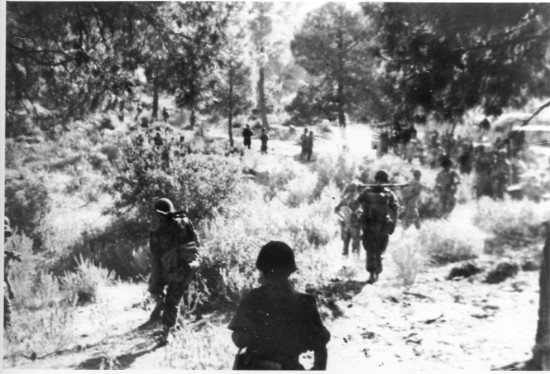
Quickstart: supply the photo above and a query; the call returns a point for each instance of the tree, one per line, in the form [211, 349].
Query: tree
[447, 58]
[334, 45]
[232, 91]
[66, 59]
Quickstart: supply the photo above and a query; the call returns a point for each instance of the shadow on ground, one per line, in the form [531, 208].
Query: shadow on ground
[336, 290]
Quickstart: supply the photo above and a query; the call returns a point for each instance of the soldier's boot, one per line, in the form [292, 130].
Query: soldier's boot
[155, 318]
[165, 336]
[373, 278]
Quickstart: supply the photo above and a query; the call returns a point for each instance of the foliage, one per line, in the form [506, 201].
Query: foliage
[65, 59]
[339, 170]
[511, 222]
[27, 203]
[82, 285]
[409, 257]
[121, 248]
[448, 58]
[446, 241]
[333, 45]
[202, 184]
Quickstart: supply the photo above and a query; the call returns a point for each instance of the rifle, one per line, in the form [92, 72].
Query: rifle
[388, 185]
[172, 215]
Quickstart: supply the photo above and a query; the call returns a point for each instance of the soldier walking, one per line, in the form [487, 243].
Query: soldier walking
[446, 183]
[173, 245]
[8, 292]
[264, 138]
[378, 218]
[303, 144]
[350, 227]
[247, 135]
[274, 322]
[502, 173]
[309, 145]
[410, 195]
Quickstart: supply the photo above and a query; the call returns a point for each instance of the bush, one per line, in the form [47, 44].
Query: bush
[409, 258]
[121, 247]
[511, 222]
[446, 241]
[82, 285]
[339, 171]
[27, 203]
[202, 184]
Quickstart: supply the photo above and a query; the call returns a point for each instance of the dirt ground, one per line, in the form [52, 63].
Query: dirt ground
[435, 324]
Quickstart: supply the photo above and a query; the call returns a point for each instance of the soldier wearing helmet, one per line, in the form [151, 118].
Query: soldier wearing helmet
[173, 245]
[446, 183]
[410, 195]
[350, 227]
[8, 292]
[276, 323]
[378, 218]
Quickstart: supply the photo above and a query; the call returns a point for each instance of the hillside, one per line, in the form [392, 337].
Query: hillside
[432, 324]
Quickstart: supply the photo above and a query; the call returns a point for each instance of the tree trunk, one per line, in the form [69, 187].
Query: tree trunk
[261, 98]
[154, 115]
[230, 117]
[340, 77]
[541, 351]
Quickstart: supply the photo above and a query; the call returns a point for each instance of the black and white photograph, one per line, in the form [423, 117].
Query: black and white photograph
[269, 185]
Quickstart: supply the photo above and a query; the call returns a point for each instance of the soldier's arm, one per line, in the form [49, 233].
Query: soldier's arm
[320, 359]
[394, 207]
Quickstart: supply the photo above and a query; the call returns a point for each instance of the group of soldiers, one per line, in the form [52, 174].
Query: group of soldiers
[273, 322]
[369, 213]
[306, 142]
[247, 139]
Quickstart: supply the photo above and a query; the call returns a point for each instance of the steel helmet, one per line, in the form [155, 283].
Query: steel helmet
[164, 206]
[417, 173]
[276, 258]
[382, 176]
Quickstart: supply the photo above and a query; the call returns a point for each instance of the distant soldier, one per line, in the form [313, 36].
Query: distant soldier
[378, 219]
[303, 143]
[501, 174]
[446, 183]
[264, 138]
[482, 167]
[309, 145]
[165, 114]
[410, 195]
[350, 227]
[173, 245]
[247, 135]
[410, 150]
[465, 158]
[274, 322]
[8, 292]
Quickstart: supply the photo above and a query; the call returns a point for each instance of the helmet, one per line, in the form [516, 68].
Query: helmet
[7, 229]
[417, 173]
[276, 258]
[382, 176]
[164, 205]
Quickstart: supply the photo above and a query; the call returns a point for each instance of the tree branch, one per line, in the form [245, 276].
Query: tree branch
[524, 123]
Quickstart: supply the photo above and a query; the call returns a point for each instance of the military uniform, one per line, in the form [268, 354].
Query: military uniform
[264, 138]
[350, 226]
[274, 322]
[482, 167]
[378, 219]
[446, 183]
[410, 195]
[173, 245]
[502, 173]
[247, 135]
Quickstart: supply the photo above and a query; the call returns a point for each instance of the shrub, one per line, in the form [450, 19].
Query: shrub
[448, 241]
[82, 285]
[503, 271]
[121, 247]
[409, 258]
[27, 203]
[203, 184]
[511, 222]
[338, 170]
